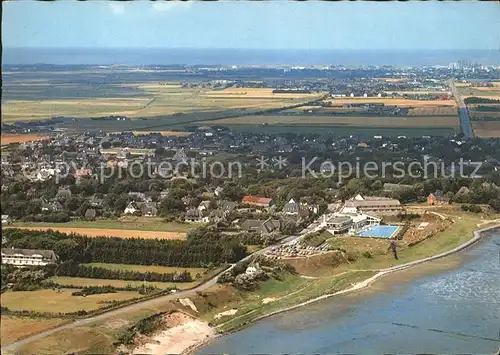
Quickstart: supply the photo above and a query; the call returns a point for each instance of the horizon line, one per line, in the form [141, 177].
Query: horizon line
[261, 49]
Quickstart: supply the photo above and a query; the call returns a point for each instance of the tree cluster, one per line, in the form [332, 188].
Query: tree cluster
[73, 269]
[200, 249]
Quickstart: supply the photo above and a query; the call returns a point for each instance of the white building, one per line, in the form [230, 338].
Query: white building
[28, 257]
[338, 224]
[131, 208]
[360, 220]
[372, 204]
[342, 223]
[6, 219]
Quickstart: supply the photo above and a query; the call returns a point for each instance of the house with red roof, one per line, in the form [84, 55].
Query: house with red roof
[257, 201]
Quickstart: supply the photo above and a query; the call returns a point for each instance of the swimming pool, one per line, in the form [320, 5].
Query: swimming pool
[380, 232]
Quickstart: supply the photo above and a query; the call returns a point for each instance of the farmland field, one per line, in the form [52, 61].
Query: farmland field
[462, 85]
[149, 268]
[390, 101]
[126, 222]
[15, 328]
[417, 92]
[257, 93]
[84, 282]
[433, 111]
[486, 129]
[20, 138]
[491, 92]
[60, 301]
[344, 121]
[476, 114]
[393, 80]
[339, 130]
[163, 133]
[104, 232]
[46, 96]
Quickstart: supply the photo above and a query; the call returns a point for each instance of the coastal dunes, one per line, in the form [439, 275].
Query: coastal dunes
[180, 333]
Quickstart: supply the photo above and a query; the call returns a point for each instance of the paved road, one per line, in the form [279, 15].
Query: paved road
[136, 306]
[463, 114]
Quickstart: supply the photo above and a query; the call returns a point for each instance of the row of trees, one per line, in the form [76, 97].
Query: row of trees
[201, 249]
[74, 269]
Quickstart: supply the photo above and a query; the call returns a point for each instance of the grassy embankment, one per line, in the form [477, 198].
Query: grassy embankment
[16, 328]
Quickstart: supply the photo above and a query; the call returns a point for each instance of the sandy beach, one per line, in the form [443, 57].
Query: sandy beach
[187, 333]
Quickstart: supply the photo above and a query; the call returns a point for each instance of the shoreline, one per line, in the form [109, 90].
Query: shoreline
[477, 236]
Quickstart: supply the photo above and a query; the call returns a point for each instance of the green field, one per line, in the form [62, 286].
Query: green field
[42, 95]
[368, 121]
[325, 130]
[60, 301]
[84, 282]
[150, 268]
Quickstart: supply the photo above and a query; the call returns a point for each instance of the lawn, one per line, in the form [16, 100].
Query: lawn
[16, 328]
[359, 244]
[316, 239]
[60, 301]
[82, 282]
[150, 268]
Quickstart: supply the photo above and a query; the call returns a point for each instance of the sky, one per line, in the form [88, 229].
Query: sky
[252, 25]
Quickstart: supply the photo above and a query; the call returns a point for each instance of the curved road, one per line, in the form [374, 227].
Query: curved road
[136, 306]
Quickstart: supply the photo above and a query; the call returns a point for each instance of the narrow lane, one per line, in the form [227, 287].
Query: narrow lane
[463, 113]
